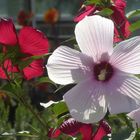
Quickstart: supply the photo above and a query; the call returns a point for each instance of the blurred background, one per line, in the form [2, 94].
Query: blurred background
[54, 17]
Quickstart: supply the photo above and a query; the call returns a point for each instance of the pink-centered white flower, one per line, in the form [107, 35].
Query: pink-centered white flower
[103, 73]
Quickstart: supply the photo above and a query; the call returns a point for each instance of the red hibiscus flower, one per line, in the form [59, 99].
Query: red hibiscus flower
[71, 127]
[102, 131]
[7, 32]
[9, 68]
[118, 17]
[30, 41]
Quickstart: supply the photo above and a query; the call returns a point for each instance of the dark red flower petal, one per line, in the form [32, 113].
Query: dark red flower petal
[54, 133]
[84, 11]
[121, 28]
[32, 41]
[70, 127]
[9, 68]
[86, 131]
[124, 31]
[7, 32]
[121, 23]
[120, 4]
[35, 69]
[103, 130]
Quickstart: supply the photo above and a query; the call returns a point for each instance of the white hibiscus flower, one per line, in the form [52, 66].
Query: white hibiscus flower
[103, 74]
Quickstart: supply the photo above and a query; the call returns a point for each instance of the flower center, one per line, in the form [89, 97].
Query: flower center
[103, 71]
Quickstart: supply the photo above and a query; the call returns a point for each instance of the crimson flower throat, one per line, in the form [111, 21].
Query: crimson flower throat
[103, 71]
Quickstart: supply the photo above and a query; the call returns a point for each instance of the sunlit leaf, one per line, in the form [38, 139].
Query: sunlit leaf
[105, 12]
[60, 108]
[40, 56]
[96, 2]
[135, 26]
[133, 13]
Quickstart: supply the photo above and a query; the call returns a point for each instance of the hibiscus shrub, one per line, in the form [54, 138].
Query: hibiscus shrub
[87, 92]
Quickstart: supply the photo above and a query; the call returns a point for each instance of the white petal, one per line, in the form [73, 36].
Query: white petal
[131, 87]
[86, 101]
[23, 132]
[125, 84]
[135, 114]
[126, 56]
[67, 66]
[119, 103]
[46, 105]
[94, 35]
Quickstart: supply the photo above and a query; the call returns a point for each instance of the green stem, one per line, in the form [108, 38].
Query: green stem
[31, 110]
[28, 106]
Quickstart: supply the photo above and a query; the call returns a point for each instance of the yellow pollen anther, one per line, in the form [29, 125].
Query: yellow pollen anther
[102, 75]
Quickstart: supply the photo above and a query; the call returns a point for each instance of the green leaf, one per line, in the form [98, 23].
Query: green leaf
[76, 47]
[12, 52]
[135, 26]
[1, 57]
[133, 13]
[106, 138]
[72, 39]
[132, 136]
[8, 88]
[105, 12]
[126, 120]
[121, 134]
[40, 56]
[60, 108]
[25, 63]
[20, 134]
[44, 80]
[96, 2]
